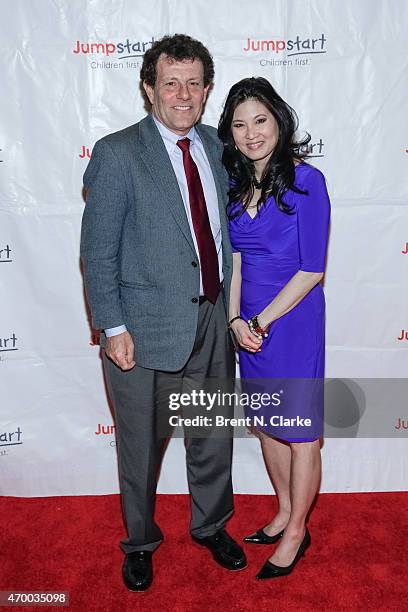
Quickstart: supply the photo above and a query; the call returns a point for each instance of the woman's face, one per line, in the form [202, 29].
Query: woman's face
[255, 130]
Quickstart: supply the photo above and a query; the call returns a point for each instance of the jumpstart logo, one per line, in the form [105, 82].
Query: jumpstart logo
[126, 54]
[85, 152]
[8, 344]
[11, 438]
[5, 254]
[106, 430]
[313, 149]
[403, 335]
[300, 49]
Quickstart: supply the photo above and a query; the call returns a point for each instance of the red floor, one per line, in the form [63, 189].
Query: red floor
[358, 558]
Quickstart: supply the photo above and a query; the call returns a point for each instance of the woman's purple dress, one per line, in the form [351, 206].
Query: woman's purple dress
[274, 246]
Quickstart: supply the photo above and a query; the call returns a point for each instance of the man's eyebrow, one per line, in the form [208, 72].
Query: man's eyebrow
[175, 78]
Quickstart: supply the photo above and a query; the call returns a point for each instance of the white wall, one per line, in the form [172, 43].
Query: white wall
[351, 98]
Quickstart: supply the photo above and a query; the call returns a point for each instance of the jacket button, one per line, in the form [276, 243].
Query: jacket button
[194, 264]
[194, 300]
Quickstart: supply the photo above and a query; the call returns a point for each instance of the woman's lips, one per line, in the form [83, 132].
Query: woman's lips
[254, 145]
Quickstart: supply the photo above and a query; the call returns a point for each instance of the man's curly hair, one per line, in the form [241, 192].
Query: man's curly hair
[178, 47]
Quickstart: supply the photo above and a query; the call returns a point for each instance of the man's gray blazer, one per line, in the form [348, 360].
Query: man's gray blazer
[140, 264]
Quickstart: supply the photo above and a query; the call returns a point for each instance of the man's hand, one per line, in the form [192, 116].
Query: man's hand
[120, 349]
[245, 337]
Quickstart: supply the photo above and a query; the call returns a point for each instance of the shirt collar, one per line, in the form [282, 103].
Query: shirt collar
[170, 138]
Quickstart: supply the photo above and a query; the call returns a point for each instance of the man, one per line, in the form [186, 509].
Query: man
[157, 267]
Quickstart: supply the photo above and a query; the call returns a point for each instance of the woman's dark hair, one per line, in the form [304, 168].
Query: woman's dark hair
[179, 47]
[279, 173]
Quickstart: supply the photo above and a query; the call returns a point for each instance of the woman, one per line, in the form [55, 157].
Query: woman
[279, 217]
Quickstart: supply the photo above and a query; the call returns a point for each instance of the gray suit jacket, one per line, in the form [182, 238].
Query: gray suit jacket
[138, 254]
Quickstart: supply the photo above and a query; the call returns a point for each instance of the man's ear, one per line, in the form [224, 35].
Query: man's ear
[206, 90]
[149, 92]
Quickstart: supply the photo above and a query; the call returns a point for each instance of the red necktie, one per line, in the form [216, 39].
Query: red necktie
[201, 224]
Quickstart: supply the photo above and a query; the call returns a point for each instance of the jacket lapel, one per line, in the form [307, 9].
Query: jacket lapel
[157, 161]
[156, 158]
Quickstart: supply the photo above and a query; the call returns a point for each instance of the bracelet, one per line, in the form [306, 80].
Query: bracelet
[256, 329]
[232, 320]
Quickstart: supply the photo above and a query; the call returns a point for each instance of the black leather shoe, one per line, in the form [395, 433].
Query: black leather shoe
[270, 570]
[260, 537]
[225, 550]
[137, 570]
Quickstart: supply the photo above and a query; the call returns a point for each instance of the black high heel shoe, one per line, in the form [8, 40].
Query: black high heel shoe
[270, 570]
[260, 537]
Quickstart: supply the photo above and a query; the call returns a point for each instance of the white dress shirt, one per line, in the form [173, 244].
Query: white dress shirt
[210, 192]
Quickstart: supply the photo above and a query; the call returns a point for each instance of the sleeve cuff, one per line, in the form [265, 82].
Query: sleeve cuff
[115, 331]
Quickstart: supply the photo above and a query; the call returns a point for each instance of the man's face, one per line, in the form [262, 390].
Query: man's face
[179, 94]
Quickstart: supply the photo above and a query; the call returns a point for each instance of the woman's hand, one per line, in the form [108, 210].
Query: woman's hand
[245, 337]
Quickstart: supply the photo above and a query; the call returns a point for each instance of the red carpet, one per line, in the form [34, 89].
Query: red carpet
[358, 558]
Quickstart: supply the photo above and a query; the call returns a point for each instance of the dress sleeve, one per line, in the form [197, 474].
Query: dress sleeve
[313, 217]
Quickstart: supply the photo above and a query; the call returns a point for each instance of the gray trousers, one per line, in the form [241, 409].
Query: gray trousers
[140, 399]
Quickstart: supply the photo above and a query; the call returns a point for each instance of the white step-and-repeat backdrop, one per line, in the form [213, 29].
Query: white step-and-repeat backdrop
[70, 75]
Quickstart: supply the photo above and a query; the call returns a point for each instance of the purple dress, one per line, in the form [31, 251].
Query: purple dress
[274, 246]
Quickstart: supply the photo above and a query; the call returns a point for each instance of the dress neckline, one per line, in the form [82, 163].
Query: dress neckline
[269, 198]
